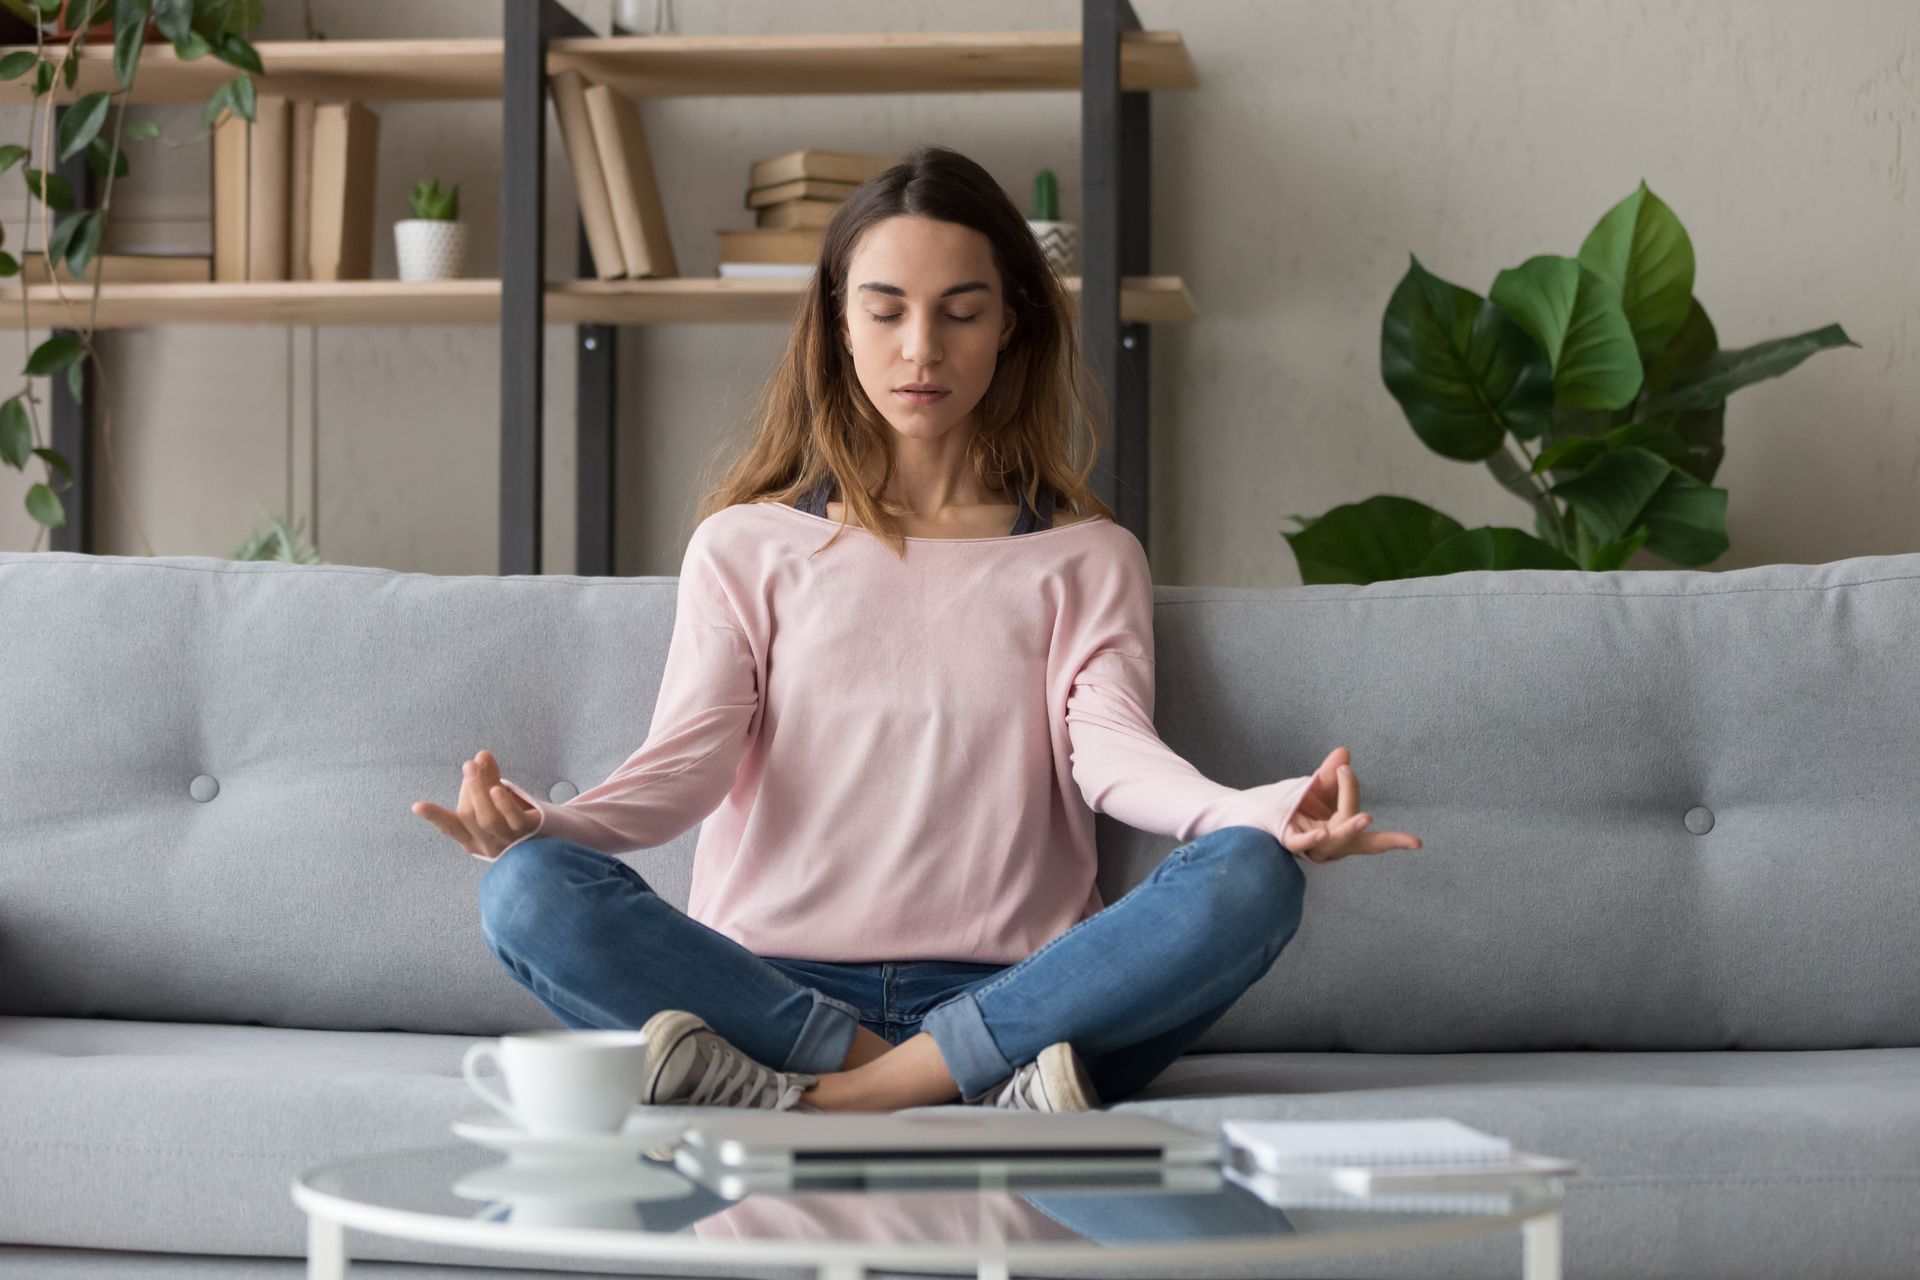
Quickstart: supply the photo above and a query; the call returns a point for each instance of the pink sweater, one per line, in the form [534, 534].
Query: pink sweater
[901, 759]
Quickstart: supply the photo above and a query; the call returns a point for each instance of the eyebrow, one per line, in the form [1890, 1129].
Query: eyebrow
[970, 286]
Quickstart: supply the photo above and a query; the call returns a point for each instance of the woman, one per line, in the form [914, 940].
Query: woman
[897, 751]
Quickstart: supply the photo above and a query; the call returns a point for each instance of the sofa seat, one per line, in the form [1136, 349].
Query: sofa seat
[183, 1138]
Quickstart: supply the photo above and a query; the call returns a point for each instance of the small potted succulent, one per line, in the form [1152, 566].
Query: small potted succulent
[1060, 240]
[432, 244]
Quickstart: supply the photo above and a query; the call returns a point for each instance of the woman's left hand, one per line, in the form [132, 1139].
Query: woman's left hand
[1328, 825]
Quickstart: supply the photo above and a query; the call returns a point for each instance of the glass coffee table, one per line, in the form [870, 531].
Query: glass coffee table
[990, 1222]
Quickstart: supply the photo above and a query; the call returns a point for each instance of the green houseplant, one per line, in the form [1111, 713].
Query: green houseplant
[432, 244]
[94, 123]
[1606, 364]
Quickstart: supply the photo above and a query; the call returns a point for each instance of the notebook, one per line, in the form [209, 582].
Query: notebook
[1293, 1144]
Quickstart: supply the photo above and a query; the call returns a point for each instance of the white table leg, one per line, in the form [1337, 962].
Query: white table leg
[1540, 1247]
[326, 1248]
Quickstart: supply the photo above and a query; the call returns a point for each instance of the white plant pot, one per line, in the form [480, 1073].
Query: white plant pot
[1061, 242]
[430, 248]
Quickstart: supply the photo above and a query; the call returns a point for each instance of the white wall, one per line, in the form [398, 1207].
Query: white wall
[1327, 142]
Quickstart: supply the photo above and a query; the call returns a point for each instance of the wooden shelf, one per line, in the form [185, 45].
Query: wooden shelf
[643, 66]
[692, 300]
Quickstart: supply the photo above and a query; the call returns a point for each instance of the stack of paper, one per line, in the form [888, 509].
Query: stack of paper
[1289, 1143]
[1374, 1157]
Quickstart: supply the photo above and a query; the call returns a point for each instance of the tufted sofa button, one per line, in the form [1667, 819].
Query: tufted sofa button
[203, 788]
[1699, 819]
[561, 792]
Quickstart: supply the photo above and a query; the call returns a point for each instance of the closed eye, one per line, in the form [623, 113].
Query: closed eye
[890, 319]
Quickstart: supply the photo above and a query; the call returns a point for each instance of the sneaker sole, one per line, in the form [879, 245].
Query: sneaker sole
[1063, 1081]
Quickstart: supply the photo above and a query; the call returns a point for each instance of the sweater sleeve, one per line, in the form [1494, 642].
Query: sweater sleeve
[1122, 767]
[702, 725]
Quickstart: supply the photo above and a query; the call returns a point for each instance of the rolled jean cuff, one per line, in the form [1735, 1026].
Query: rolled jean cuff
[826, 1037]
[973, 1058]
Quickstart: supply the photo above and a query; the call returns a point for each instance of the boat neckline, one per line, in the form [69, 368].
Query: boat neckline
[1094, 519]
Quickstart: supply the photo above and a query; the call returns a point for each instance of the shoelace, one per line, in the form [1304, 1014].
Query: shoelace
[732, 1079]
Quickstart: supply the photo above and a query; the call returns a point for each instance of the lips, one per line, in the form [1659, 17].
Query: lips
[921, 397]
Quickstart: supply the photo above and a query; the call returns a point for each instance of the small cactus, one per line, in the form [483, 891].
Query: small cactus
[1046, 197]
[436, 203]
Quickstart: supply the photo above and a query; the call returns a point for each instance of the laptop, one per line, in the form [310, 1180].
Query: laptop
[954, 1140]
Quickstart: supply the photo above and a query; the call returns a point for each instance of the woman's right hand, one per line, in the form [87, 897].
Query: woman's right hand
[488, 817]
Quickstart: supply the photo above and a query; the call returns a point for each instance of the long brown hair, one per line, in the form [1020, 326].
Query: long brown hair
[814, 419]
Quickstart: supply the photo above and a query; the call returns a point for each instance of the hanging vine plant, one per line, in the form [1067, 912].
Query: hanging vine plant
[94, 123]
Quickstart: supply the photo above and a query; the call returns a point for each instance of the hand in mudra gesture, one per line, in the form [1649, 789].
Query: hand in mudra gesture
[1328, 825]
[488, 817]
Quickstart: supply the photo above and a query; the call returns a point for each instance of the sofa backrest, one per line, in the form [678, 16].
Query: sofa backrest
[1661, 810]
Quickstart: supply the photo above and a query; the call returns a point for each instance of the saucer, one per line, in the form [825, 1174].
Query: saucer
[644, 1132]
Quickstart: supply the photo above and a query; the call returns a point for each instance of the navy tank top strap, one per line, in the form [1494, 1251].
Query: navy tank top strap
[1031, 519]
[815, 503]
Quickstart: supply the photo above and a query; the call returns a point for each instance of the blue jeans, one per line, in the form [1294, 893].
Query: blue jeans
[1130, 987]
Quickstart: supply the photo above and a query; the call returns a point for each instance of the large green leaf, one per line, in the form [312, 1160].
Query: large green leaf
[1640, 248]
[1490, 548]
[1463, 372]
[1725, 372]
[1609, 556]
[1687, 520]
[1610, 493]
[1575, 317]
[1690, 348]
[1381, 538]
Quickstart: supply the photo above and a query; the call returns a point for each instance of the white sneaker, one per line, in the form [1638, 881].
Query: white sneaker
[1055, 1081]
[690, 1064]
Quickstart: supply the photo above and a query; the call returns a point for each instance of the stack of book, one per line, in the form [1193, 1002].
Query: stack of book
[613, 180]
[793, 196]
[293, 191]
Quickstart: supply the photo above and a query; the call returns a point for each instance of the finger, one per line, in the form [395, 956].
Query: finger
[448, 824]
[484, 811]
[1349, 797]
[1385, 842]
[516, 817]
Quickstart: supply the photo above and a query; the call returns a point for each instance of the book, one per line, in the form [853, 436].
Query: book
[1525, 1169]
[796, 215]
[632, 192]
[569, 89]
[123, 268]
[300, 192]
[769, 246]
[1292, 1144]
[816, 162]
[799, 189]
[346, 148]
[269, 138]
[230, 198]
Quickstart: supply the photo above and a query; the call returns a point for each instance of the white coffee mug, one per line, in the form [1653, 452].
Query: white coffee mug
[563, 1082]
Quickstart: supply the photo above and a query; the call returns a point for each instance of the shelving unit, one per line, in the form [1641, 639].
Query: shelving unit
[1113, 64]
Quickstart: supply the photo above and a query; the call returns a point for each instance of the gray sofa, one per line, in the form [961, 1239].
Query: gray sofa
[1664, 921]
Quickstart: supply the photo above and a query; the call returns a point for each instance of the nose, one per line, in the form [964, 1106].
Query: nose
[919, 341]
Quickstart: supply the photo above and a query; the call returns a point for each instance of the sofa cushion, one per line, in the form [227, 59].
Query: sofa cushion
[186, 1138]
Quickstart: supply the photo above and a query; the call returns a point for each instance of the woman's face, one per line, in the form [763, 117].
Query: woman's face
[924, 306]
